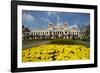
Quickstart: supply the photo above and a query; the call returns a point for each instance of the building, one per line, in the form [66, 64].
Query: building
[56, 32]
[25, 32]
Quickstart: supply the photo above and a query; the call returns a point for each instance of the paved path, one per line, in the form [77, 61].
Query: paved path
[34, 43]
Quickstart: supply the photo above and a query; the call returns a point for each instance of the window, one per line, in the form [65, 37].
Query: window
[50, 33]
[36, 33]
[77, 32]
[65, 32]
[54, 33]
[62, 32]
[58, 32]
[39, 33]
[43, 33]
[27, 33]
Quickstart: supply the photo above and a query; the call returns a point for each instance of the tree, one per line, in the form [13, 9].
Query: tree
[25, 32]
[85, 32]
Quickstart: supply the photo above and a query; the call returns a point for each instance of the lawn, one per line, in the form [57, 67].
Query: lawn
[70, 42]
[37, 42]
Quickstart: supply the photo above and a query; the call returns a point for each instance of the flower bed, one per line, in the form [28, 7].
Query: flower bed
[51, 52]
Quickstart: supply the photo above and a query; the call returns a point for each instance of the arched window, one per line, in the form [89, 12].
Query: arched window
[36, 33]
[62, 32]
[58, 32]
[39, 33]
[43, 33]
[54, 33]
[68, 32]
[65, 32]
[50, 33]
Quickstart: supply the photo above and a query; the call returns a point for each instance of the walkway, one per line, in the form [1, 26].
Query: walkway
[34, 43]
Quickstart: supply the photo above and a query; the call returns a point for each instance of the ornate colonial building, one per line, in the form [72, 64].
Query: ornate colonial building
[55, 32]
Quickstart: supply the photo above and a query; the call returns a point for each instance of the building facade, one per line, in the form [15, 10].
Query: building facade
[55, 32]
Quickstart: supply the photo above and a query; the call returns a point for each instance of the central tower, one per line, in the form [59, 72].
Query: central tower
[58, 19]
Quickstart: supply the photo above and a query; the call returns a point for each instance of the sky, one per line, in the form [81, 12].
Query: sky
[41, 19]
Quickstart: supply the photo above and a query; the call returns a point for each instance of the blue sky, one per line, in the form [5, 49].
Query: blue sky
[41, 19]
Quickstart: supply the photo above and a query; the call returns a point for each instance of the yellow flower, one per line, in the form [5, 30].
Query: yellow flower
[51, 52]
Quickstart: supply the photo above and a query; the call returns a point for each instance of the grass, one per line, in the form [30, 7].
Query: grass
[59, 41]
[69, 42]
[31, 41]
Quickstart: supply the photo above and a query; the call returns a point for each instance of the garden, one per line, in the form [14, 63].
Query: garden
[57, 50]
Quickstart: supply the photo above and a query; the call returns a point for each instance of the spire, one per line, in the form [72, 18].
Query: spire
[58, 19]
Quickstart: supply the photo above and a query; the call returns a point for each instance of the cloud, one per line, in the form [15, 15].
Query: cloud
[51, 13]
[45, 20]
[55, 14]
[28, 20]
[74, 26]
[28, 17]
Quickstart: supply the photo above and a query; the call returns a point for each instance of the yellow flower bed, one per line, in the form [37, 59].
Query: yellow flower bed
[52, 52]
